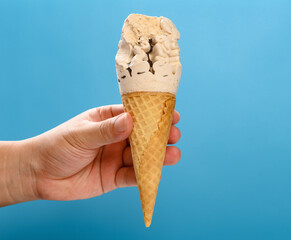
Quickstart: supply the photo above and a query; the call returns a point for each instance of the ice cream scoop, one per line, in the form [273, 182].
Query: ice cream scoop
[148, 71]
[148, 55]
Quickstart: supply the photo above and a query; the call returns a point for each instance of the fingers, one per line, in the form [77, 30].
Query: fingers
[172, 157]
[176, 117]
[112, 130]
[127, 157]
[109, 111]
[125, 177]
[108, 125]
[175, 135]
[104, 112]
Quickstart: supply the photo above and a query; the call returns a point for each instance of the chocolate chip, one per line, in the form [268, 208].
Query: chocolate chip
[150, 61]
[151, 44]
[140, 72]
[129, 70]
[148, 54]
[123, 77]
[150, 41]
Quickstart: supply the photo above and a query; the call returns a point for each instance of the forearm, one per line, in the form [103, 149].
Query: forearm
[17, 181]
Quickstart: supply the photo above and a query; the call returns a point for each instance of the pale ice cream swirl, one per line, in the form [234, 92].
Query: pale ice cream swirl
[148, 57]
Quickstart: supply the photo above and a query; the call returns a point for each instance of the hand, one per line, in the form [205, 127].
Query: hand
[89, 155]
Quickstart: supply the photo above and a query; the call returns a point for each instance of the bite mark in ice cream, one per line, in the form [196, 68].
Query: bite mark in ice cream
[148, 55]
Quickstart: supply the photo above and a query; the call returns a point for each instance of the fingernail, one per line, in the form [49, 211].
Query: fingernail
[120, 124]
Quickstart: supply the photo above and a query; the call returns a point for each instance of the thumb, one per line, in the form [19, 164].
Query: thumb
[108, 131]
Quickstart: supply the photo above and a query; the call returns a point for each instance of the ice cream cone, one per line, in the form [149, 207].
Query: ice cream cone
[152, 114]
[148, 71]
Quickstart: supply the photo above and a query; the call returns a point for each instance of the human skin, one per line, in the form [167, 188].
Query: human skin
[82, 158]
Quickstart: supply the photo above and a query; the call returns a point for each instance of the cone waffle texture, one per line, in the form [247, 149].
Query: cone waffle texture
[152, 114]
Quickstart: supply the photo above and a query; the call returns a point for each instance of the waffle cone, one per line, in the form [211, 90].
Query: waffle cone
[152, 114]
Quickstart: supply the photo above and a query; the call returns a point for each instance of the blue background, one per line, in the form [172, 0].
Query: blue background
[233, 182]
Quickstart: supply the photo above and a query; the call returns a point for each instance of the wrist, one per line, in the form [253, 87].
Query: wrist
[17, 181]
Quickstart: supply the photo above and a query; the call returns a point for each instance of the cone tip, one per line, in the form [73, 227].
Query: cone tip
[147, 219]
[147, 223]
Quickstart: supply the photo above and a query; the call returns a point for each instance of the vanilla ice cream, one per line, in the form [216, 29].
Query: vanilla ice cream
[148, 55]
